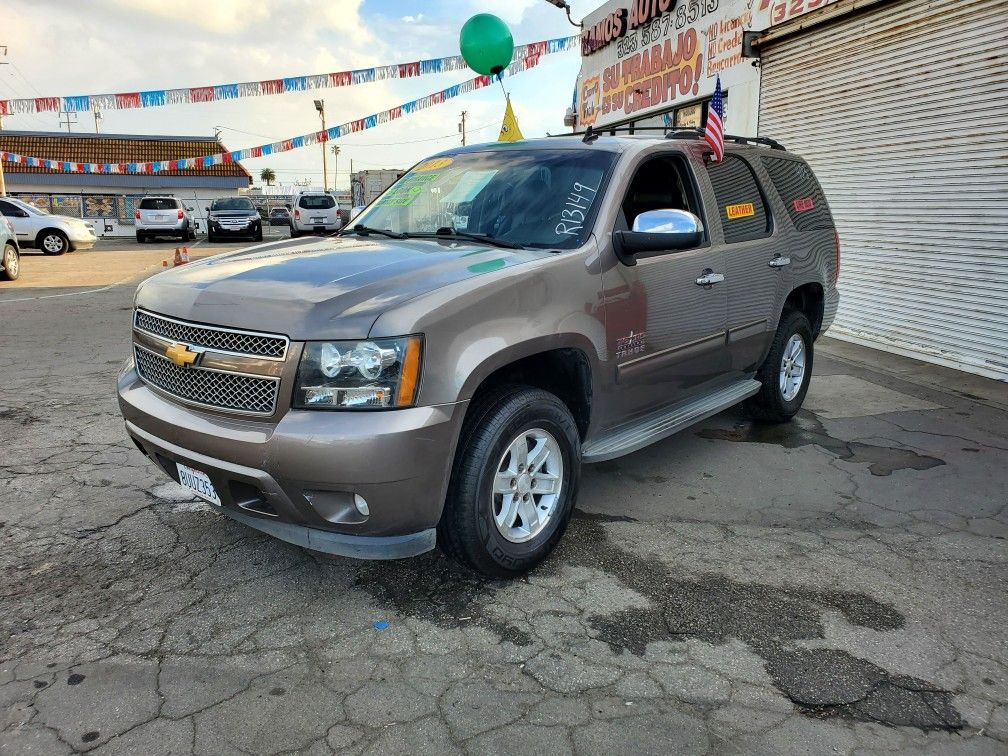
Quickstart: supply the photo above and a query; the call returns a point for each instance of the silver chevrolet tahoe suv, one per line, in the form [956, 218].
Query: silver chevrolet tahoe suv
[438, 373]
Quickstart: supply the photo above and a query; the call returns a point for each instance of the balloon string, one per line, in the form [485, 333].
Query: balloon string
[500, 78]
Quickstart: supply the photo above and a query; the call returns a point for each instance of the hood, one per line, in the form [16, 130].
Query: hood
[334, 288]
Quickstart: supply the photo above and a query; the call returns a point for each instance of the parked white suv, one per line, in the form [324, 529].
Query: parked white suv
[315, 212]
[53, 234]
[162, 216]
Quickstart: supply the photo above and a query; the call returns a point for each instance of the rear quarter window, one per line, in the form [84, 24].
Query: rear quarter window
[159, 203]
[800, 192]
[740, 202]
[317, 203]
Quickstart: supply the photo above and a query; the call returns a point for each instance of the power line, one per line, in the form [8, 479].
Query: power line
[371, 144]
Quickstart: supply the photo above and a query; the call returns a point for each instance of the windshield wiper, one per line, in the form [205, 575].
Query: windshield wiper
[362, 230]
[446, 232]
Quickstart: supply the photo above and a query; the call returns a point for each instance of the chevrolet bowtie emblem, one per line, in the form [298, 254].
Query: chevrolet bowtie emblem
[181, 355]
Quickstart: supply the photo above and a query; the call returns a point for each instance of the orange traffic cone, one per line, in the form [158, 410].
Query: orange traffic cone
[178, 256]
[164, 263]
[185, 254]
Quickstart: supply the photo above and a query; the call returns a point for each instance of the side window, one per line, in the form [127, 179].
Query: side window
[801, 193]
[661, 183]
[7, 209]
[740, 202]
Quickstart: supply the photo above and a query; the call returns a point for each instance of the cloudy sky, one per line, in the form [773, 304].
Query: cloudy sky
[57, 47]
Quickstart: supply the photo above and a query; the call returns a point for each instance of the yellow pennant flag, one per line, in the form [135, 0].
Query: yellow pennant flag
[509, 129]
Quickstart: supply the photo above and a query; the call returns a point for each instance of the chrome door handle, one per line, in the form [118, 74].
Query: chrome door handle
[709, 278]
[779, 262]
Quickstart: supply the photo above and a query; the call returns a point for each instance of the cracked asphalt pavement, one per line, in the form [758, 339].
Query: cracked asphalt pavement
[834, 585]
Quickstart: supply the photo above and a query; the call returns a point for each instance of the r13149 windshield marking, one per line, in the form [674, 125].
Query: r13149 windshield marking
[578, 203]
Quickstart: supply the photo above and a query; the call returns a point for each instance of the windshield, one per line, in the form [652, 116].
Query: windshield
[535, 198]
[28, 206]
[233, 203]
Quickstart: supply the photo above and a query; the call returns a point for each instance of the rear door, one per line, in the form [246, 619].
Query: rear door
[756, 264]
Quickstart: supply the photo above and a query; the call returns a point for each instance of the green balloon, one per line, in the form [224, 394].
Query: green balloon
[486, 44]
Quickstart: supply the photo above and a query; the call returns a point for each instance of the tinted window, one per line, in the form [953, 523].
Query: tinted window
[801, 193]
[233, 203]
[740, 204]
[320, 202]
[9, 210]
[159, 203]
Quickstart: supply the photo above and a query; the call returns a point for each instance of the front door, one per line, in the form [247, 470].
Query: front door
[666, 316]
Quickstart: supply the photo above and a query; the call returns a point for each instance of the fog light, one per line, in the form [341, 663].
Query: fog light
[361, 505]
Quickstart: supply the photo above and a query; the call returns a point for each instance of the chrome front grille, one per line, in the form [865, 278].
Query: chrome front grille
[226, 340]
[235, 392]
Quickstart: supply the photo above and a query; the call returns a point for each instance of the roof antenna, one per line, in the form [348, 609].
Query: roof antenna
[590, 135]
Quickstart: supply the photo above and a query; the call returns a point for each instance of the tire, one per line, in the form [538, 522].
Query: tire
[53, 242]
[140, 238]
[496, 423]
[258, 236]
[780, 399]
[210, 237]
[294, 233]
[11, 263]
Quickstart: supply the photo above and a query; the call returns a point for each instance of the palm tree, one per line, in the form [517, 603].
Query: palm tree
[267, 175]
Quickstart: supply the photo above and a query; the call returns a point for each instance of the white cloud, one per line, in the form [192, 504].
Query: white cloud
[127, 45]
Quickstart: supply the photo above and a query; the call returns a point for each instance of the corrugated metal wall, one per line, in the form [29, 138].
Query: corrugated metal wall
[903, 114]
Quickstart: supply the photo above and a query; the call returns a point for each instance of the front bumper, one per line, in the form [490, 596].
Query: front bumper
[83, 239]
[296, 479]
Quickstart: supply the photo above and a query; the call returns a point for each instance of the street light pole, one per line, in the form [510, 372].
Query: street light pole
[320, 107]
[563, 5]
[335, 165]
[462, 129]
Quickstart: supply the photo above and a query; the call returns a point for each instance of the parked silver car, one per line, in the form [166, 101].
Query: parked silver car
[53, 234]
[162, 216]
[315, 212]
[10, 260]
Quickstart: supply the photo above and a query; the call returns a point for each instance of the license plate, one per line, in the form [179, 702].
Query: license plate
[318, 220]
[198, 483]
[161, 218]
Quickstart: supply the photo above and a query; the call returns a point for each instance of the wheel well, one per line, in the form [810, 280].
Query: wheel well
[565, 373]
[808, 299]
[44, 231]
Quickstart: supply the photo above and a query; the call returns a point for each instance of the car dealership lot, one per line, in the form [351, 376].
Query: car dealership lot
[835, 584]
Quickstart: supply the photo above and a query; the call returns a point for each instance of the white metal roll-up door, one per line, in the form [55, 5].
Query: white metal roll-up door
[903, 114]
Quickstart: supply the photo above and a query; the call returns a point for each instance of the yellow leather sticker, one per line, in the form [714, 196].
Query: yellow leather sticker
[744, 210]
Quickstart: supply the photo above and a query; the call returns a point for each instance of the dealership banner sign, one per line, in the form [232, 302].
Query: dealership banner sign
[154, 98]
[642, 56]
[305, 140]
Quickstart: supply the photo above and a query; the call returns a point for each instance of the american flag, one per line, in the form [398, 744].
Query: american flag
[714, 133]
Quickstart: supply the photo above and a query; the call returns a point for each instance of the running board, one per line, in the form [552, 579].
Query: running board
[655, 427]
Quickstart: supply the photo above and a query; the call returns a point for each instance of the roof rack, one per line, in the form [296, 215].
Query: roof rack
[771, 143]
[671, 132]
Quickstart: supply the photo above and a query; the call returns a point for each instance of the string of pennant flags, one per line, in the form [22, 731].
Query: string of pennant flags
[285, 145]
[155, 98]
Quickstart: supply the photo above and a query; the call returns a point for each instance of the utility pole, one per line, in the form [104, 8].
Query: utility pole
[320, 107]
[97, 118]
[462, 129]
[67, 122]
[335, 165]
[3, 184]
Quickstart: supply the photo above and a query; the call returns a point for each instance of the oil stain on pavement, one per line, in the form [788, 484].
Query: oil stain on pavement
[773, 621]
[806, 429]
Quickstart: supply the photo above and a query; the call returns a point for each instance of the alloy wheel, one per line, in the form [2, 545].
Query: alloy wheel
[527, 485]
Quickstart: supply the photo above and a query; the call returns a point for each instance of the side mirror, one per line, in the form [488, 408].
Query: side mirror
[657, 232]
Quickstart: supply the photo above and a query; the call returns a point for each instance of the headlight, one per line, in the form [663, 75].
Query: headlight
[372, 374]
